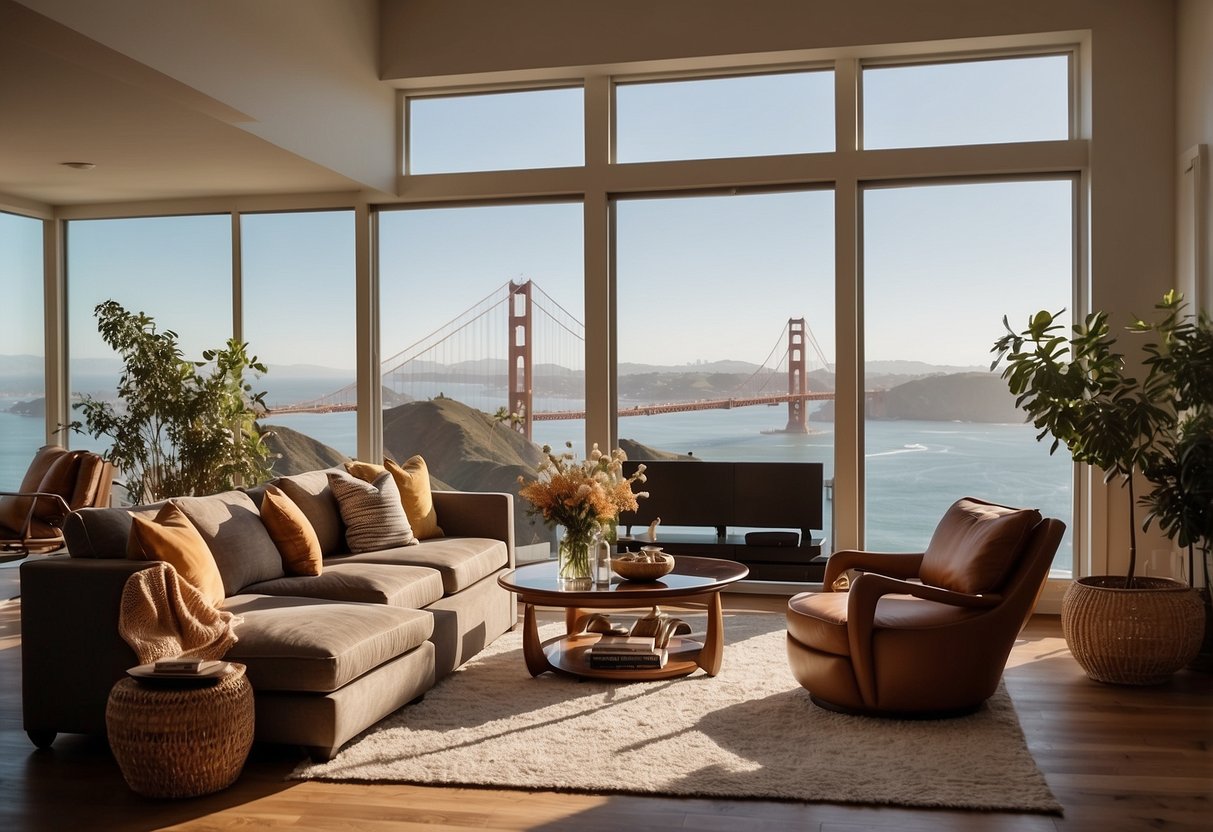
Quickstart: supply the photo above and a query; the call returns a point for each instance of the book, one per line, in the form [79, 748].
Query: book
[635, 661]
[178, 665]
[624, 644]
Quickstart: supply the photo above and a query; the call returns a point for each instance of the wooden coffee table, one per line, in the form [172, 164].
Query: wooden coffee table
[694, 581]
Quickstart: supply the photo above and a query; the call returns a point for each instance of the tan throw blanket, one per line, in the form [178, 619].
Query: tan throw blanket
[163, 616]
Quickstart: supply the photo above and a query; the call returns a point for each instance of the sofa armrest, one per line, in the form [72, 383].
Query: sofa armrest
[488, 514]
[71, 651]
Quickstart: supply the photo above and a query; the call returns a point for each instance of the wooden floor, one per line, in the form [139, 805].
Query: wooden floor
[1117, 758]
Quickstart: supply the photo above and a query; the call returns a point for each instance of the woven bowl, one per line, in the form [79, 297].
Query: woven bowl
[636, 570]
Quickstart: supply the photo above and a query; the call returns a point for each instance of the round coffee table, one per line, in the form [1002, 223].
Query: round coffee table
[694, 580]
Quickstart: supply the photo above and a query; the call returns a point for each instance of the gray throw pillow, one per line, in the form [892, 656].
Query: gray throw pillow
[374, 518]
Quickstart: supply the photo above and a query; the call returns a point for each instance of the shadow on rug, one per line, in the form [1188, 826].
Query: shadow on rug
[750, 732]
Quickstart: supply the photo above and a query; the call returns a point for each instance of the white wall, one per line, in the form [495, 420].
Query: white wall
[1194, 125]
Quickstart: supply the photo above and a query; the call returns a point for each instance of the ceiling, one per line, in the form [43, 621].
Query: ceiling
[66, 97]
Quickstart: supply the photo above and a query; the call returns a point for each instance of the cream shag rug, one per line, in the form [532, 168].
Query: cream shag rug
[750, 732]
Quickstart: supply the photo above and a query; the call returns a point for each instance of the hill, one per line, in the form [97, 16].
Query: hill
[958, 397]
[297, 452]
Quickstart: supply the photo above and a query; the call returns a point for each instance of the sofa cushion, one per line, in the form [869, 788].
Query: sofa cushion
[372, 513]
[462, 561]
[309, 645]
[975, 545]
[369, 583]
[172, 538]
[311, 492]
[291, 532]
[232, 528]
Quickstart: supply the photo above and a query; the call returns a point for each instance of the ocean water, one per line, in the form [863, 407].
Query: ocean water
[914, 470]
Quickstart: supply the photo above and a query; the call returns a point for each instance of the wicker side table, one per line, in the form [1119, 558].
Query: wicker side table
[181, 741]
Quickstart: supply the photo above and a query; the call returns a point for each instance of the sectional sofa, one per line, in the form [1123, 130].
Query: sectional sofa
[327, 655]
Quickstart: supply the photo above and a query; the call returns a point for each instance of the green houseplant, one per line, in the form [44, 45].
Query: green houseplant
[1077, 389]
[180, 427]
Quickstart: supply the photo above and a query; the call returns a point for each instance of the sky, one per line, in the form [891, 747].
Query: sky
[942, 263]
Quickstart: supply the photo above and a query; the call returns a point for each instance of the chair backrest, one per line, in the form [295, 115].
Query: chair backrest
[976, 545]
[81, 478]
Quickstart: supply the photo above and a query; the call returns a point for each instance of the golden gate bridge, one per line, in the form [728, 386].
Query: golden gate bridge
[519, 345]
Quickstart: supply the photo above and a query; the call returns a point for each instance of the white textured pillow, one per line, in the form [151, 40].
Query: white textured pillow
[373, 516]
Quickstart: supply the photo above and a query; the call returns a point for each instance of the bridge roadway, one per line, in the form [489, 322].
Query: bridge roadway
[638, 410]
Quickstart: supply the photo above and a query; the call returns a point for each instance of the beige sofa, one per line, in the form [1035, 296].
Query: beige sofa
[327, 656]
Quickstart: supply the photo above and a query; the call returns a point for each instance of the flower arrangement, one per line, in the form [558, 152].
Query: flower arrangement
[584, 497]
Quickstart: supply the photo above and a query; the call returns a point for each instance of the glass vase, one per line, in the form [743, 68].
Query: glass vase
[574, 558]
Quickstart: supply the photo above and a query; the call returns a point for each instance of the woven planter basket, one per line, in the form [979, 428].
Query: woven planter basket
[181, 742]
[1138, 636]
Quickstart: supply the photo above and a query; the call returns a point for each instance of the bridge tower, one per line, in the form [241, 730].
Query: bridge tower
[520, 356]
[798, 420]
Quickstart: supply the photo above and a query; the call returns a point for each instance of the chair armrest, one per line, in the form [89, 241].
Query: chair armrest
[865, 592]
[34, 497]
[895, 564]
[487, 514]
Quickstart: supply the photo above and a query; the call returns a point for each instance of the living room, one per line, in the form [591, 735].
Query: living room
[272, 171]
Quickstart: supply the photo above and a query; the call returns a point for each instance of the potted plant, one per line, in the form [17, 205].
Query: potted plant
[1123, 629]
[176, 431]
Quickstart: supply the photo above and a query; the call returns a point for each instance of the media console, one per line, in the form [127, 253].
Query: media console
[772, 509]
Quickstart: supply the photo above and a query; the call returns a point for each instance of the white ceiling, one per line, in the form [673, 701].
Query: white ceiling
[67, 97]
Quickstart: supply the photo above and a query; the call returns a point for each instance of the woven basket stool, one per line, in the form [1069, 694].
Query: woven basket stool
[181, 742]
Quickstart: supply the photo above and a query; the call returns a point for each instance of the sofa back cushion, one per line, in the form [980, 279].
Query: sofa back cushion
[311, 493]
[975, 545]
[232, 528]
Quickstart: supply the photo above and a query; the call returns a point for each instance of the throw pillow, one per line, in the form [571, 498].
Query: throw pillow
[413, 480]
[231, 525]
[172, 538]
[373, 516]
[291, 532]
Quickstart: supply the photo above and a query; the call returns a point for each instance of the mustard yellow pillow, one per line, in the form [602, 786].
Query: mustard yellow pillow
[172, 538]
[292, 533]
[413, 480]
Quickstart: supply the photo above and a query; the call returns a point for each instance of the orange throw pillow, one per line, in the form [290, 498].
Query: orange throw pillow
[413, 480]
[172, 538]
[292, 533]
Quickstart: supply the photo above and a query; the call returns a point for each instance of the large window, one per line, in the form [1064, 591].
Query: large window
[178, 270]
[942, 265]
[483, 341]
[299, 319]
[710, 292]
[22, 406]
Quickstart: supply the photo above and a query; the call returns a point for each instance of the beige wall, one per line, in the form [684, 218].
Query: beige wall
[1129, 108]
[1194, 125]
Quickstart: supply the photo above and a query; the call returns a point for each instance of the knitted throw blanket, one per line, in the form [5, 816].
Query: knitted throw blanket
[163, 616]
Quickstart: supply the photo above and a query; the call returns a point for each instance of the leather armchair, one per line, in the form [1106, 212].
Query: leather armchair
[57, 483]
[923, 634]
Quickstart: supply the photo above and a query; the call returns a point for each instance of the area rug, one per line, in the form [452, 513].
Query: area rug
[749, 732]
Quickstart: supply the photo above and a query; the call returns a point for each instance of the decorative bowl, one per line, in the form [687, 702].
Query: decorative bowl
[647, 566]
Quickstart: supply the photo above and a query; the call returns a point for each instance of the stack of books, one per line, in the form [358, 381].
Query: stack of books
[627, 653]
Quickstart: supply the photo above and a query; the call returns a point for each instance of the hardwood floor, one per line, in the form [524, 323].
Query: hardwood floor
[1117, 759]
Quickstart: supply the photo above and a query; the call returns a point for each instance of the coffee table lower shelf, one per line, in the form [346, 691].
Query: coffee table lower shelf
[569, 654]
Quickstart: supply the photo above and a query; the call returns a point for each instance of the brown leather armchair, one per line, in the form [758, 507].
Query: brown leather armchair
[57, 482]
[914, 635]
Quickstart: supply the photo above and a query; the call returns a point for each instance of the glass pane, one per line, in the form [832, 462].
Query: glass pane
[300, 320]
[22, 350]
[178, 270]
[463, 292]
[942, 266]
[970, 102]
[498, 131]
[752, 115]
[711, 291]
